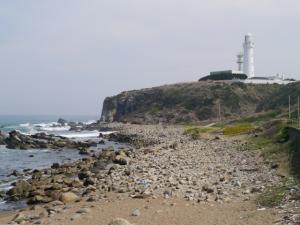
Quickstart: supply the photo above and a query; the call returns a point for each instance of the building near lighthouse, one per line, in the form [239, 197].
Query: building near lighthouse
[245, 69]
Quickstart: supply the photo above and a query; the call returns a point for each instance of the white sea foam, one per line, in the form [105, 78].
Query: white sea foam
[86, 134]
[90, 122]
[49, 129]
[24, 124]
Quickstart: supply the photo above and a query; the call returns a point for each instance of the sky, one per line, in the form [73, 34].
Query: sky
[66, 56]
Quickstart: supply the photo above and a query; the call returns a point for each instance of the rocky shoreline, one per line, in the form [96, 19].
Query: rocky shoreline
[162, 163]
[17, 140]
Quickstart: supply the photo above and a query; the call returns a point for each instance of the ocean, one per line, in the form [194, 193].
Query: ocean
[19, 160]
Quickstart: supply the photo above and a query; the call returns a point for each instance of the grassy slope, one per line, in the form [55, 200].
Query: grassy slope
[188, 102]
[275, 142]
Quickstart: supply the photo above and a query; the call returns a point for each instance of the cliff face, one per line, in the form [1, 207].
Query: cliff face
[188, 102]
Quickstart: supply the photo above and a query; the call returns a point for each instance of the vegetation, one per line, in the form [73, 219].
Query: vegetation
[273, 196]
[260, 118]
[187, 102]
[237, 129]
[196, 131]
[280, 146]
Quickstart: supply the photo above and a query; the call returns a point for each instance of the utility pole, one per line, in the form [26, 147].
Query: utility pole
[298, 118]
[220, 111]
[289, 107]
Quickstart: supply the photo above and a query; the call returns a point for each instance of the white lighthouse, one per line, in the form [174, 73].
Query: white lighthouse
[249, 56]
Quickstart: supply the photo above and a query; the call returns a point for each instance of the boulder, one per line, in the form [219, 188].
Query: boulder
[39, 199]
[68, 197]
[3, 137]
[119, 221]
[83, 151]
[20, 190]
[121, 160]
[62, 122]
[136, 212]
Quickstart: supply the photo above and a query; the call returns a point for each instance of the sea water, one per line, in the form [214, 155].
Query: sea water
[19, 160]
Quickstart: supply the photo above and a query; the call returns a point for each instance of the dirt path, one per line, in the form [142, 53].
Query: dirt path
[156, 212]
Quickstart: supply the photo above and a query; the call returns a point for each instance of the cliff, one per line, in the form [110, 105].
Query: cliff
[196, 101]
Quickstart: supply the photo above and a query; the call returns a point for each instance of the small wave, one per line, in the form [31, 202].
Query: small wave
[24, 125]
[82, 134]
[89, 122]
[38, 150]
[45, 124]
[90, 134]
[49, 129]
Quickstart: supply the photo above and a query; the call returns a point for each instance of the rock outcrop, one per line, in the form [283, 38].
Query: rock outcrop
[16, 140]
[190, 102]
[3, 136]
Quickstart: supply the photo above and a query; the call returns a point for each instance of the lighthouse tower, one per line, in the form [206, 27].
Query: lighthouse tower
[249, 56]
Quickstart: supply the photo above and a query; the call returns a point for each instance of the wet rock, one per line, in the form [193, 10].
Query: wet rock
[3, 136]
[16, 140]
[16, 173]
[55, 166]
[83, 151]
[62, 122]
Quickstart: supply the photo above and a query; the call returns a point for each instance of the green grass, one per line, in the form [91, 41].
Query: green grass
[273, 196]
[237, 129]
[196, 131]
[261, 118]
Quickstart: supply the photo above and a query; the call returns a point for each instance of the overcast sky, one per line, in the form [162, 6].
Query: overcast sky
[66, 56]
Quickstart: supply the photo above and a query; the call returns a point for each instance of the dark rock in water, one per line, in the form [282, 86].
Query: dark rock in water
[16, 140]
[16, 173]
[102, 142]
[2, 194]
[3, 136]
[92, 143]
[123, 138]
[83, 151]
[55, 166]
[62, 122]
[31, 156]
